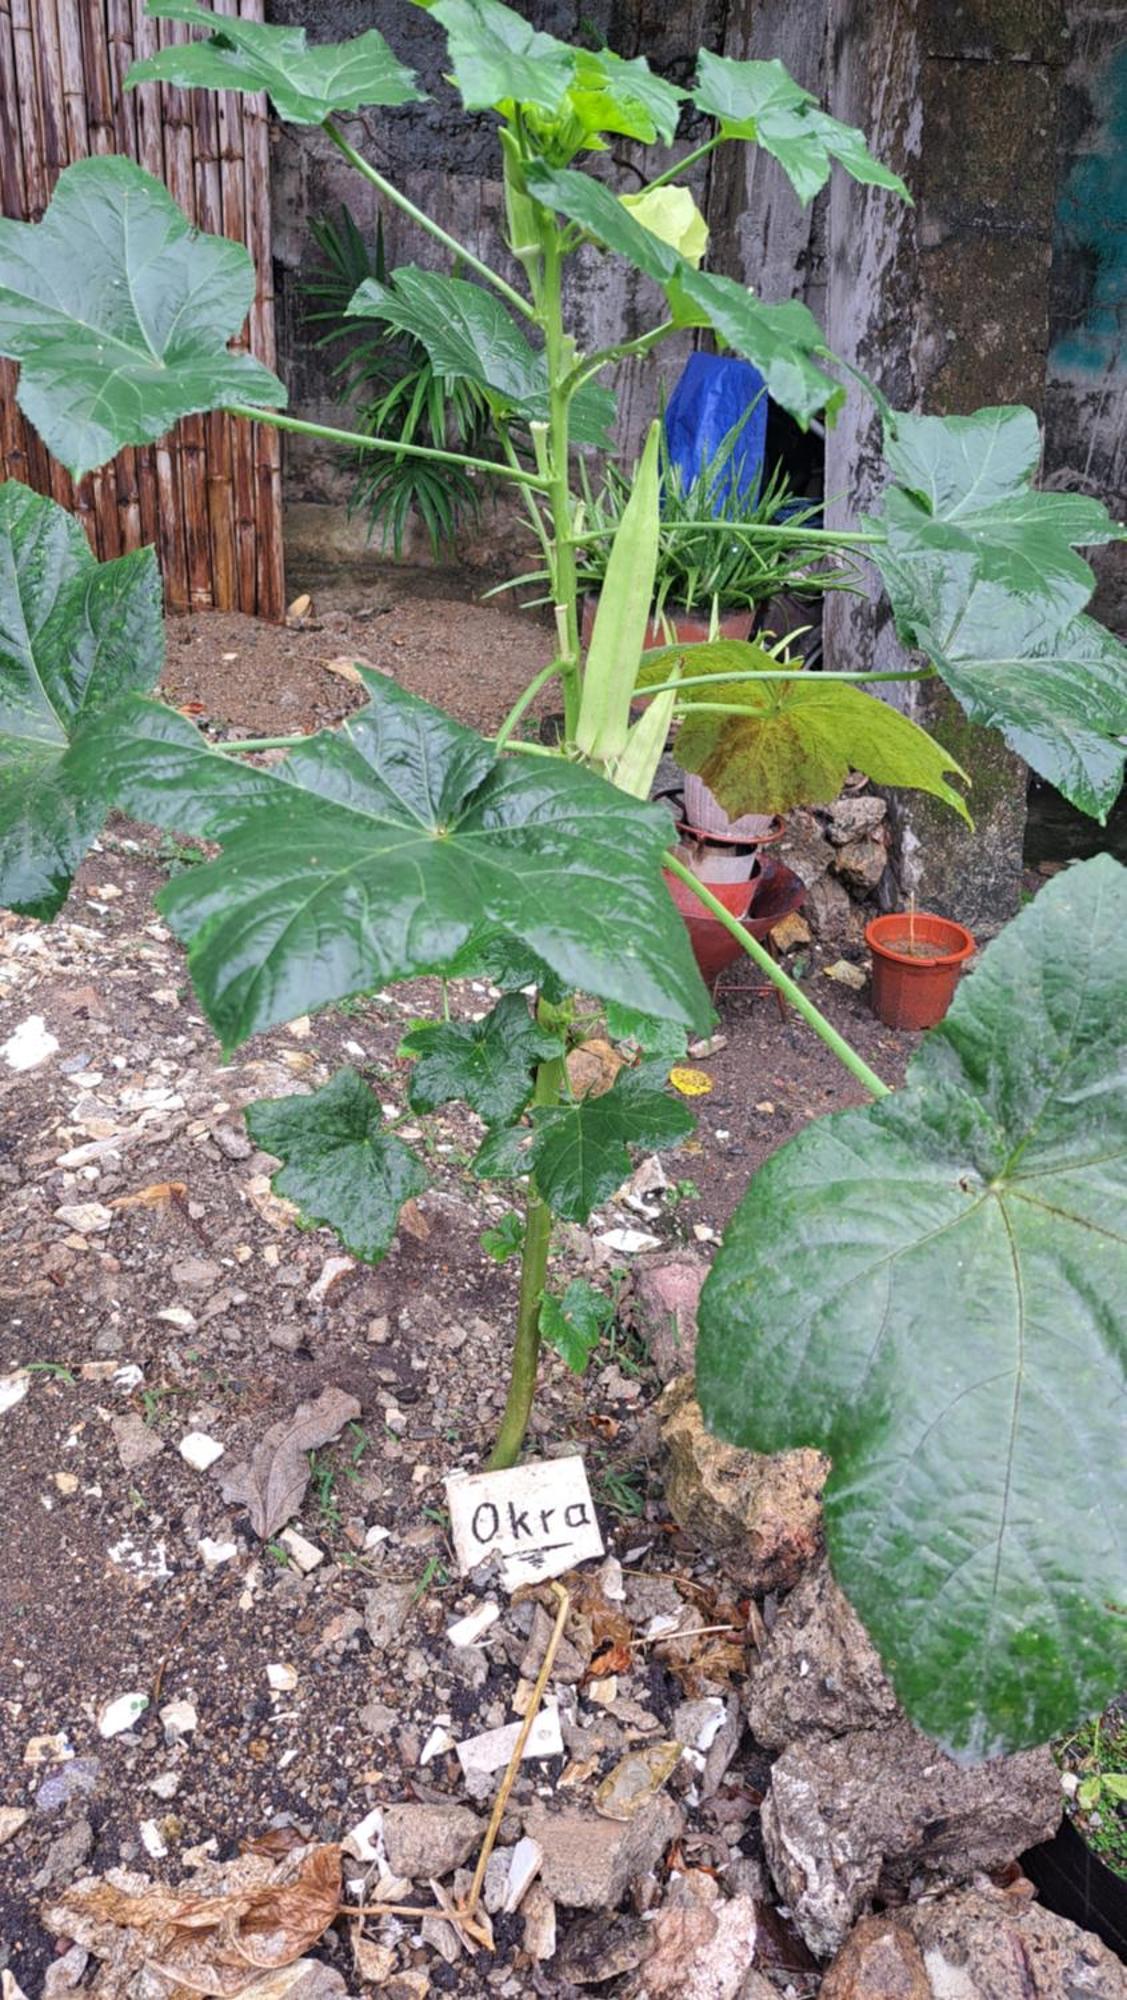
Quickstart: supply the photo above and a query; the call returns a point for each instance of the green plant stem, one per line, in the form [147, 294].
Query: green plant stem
[533, 1275]
[603, 356]
[820, 678]
[359, 442]
[524, 701]
[532, 505]
[419, 215]
[824, 1029]
[682, 166]
[263, 743]
[754, 531]
[558, 355]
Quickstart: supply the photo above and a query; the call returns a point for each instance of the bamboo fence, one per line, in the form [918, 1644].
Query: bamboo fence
[208, 497]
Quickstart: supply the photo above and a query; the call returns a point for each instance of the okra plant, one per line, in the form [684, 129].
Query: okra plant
[926, 1288]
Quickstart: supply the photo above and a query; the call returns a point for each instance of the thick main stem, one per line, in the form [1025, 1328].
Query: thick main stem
[825, 1030]
[533, 1274]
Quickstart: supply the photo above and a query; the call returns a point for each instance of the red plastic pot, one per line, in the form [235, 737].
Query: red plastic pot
[690, 628]
[914, 988]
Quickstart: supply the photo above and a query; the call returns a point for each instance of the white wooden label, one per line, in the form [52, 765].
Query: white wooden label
[538, 1519]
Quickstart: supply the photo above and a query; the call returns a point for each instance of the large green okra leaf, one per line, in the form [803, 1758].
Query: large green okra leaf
[984, 578]
[932, 1291]
[470, 337]
[74, 635]
[120, 312]
[340, 1165]
[498, 60]
[304, 84]
[379, 850]
[761, 101]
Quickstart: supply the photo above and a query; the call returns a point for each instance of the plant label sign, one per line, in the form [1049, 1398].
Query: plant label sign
[538, 1519]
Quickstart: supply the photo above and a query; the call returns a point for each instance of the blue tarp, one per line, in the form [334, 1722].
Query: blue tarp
[713, 392]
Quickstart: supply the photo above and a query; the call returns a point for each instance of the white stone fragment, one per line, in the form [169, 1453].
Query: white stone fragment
[628, 1242]
[178, 1316]
[152, 1840]
[166, 1785]
[199, 1451]
[492, 1750]
[468, 1630]
[437, 1744]
[29, 1045]
[13, 1389]
[364, 1841]
[179, 1719]
[214, 1553]
[121, 1713]
[87, 1218]
[526, 1863]
[305, 1554]
[282, 1677]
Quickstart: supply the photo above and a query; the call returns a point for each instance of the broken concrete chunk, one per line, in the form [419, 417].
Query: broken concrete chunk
[120, 1714]
[758, 1516]
[200, 1451]
[492, 1750]
[868, 1814]
[662, 1306]
[386, 1611]
[589, 1863]
[819, 1673]
[136, 1443]
[975, 1942]
[426, 1840]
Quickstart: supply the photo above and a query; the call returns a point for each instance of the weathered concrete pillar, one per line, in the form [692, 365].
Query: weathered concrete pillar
[946, 306]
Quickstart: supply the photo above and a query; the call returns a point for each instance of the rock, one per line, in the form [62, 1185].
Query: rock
[65, 1973]
[425, 1840]
[759, 1517]
[833, 918]
[386, 1611]
[76, 1779]
[980, 1943]
[135, 1442]
[819, 1673]
[663, 1308]
[844, 973]
[600, 1948]
[790, 933]
[200, 1451]
[179, 1719]
[196, 1274]
[29, 1045]
[590, 1863]
[232, 1141]
[880, 1960]
[861, 863]
[66, 1855]
[115, 1717]
[701, 1953]
[804, 847]
[304, 1553]
[854, 817]
[11, 1820]
[878, 1811]
[88, 1218]
[538, 1929]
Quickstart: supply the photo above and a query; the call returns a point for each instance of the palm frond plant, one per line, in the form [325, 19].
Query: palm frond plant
[397, 393]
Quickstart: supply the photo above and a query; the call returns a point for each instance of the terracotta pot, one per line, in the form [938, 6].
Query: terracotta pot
[771, 894]
[689, 627]
[914, 988]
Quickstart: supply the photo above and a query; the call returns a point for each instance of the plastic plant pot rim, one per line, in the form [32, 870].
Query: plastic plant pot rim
[897, 921]
[704, 838]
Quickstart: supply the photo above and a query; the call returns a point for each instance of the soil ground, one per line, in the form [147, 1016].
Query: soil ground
[198, 1306]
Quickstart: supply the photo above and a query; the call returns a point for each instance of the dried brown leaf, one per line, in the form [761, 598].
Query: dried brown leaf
[259, 1921]
[161, 1194]
[272, 1486]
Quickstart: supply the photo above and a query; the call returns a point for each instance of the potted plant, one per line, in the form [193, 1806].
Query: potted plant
[712, 578]
[917, 962]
